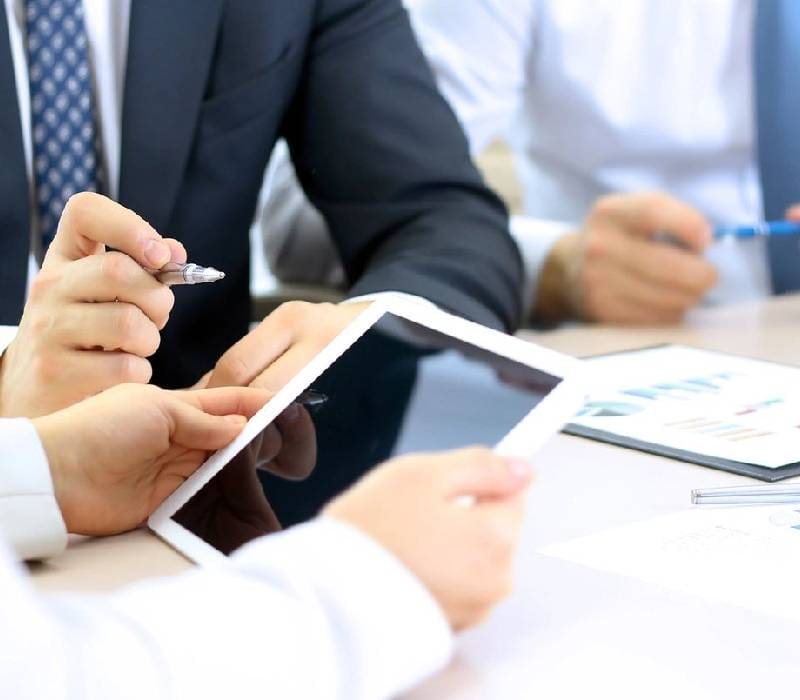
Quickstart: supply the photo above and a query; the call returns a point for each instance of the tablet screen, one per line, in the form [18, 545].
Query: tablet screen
[400, 388]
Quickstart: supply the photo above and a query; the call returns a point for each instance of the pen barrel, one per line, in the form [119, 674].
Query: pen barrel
[173, 277]
[745, 499]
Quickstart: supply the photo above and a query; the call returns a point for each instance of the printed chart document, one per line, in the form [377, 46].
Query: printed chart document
[745, 556]
[699, 402]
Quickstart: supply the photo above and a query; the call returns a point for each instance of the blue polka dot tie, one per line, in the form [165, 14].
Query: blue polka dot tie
[63, 126]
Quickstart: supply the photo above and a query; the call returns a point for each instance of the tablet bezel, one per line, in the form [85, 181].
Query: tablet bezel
[522, 440]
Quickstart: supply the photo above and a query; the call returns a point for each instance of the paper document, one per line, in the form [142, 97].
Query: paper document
[742, 556]
[697, 401]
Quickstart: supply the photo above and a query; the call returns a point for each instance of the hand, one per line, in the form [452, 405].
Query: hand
[614, 271]
[115, 457]
[414, 507]
[92, 316]
[793, 213]
[284, 343]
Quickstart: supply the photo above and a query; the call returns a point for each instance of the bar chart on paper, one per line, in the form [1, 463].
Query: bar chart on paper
[701, 402]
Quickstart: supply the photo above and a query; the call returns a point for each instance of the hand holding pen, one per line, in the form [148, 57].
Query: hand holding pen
[93, 315]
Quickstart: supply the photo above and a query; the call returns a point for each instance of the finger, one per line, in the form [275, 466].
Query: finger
[480, 473]
[197, 430]
[647, 214]
[662, 264]
[298, 453]
[77, 374]
[280, 372]
[90, 221]
[109, 326]
[117, 277]
[178, 253]
[793, 212]
[226, 400]
[246, 360]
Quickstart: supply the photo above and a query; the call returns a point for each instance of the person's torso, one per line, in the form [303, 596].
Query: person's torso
[637, 95]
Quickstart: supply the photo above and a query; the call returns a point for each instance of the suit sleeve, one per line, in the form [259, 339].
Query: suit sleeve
[382, 156]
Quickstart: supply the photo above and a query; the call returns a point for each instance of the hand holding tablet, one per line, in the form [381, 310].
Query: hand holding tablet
[473, 386]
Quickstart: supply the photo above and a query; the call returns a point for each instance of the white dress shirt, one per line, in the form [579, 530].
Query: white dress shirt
[107, 33]
[607, 96]
[318, 611]
[595, 97]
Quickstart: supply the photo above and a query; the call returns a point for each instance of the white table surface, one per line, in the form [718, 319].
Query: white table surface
[569, 631]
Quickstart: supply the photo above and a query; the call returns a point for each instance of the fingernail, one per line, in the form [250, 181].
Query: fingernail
[520, 467]
[157, 254]
[239, 420]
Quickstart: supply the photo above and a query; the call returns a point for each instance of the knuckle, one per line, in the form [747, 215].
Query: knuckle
[595, 246]
[116, 267]
[43, 284]
[233, 368]
[292, 310]
[605, 207]
[45, 368]
[41, 324]
[79, 206]
[127, 321]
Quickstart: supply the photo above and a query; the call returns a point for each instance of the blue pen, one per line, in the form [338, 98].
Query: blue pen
[766, 228]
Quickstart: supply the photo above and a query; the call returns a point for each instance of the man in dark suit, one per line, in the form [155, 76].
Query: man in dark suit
[209, 87]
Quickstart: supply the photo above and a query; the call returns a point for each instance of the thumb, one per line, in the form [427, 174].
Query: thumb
[197, 430]
[90, 221]
[479, 473]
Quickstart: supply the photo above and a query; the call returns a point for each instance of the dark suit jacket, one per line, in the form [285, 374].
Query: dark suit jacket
[210, 86]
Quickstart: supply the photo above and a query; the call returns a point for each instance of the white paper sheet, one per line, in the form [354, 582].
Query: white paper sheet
[745, 556]
[703, 402]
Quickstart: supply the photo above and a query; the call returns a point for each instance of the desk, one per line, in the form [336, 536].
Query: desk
[568, 631]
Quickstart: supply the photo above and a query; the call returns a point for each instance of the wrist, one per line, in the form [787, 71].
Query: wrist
[58, 460]
[557, 293]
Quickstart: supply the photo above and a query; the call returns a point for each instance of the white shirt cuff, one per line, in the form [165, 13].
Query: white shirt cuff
[7, 334]
[535, 238]
[397, 635]
[29, 515]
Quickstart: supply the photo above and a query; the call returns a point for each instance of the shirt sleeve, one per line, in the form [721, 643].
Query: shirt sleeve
[29, 515]
[480, 57]
[535, 238]
[320, 611]
[7, 334]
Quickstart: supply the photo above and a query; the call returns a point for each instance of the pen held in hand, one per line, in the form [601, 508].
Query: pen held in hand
[174, 274]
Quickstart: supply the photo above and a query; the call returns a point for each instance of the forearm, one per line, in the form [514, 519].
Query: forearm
[389, 167]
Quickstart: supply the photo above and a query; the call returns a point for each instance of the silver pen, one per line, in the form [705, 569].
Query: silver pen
[747, 495]
[172, 274]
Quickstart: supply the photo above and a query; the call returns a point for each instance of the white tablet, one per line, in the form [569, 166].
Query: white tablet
[470, 385]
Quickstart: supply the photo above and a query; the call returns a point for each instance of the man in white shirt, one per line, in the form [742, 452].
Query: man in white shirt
[654, 99]
[359, 603]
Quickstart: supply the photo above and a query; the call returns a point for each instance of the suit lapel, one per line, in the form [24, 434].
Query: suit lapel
[14, 194]
[169, 53]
